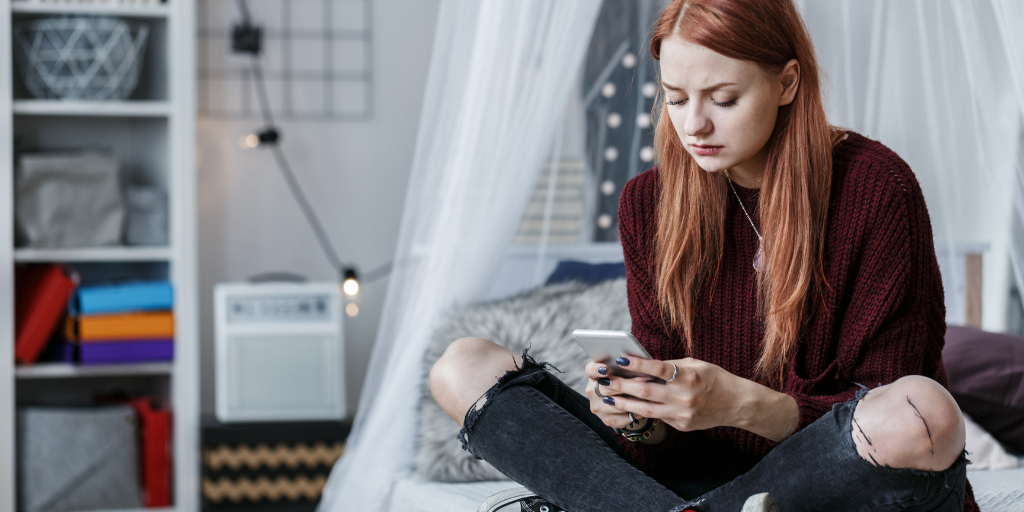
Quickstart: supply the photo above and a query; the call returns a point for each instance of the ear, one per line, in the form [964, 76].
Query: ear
[789, 79]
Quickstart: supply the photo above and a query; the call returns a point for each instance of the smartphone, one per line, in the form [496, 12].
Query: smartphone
[607, 346]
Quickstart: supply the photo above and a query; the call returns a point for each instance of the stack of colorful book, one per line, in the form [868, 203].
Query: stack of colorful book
[122, 323]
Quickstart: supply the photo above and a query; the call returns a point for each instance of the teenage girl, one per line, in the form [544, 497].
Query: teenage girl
[781, 272]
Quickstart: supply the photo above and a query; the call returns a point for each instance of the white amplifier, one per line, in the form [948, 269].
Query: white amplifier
[279, 352]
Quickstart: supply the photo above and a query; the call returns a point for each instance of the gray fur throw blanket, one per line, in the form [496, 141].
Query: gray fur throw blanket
[543, 320]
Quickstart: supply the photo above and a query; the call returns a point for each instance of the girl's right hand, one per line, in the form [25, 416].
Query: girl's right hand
[608, 414]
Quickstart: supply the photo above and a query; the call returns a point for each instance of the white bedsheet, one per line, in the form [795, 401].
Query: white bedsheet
[996, 491]
[413, 494]
[999, 491]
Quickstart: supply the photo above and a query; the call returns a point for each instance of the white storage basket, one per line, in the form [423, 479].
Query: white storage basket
[80, 58]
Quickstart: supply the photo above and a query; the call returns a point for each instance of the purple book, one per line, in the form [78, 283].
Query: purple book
[67, 352]
[126, 351]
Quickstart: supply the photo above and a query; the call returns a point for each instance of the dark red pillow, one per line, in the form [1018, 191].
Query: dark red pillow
[986, 377]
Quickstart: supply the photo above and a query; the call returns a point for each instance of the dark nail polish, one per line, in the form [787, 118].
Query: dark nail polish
[604, 382]
[622, 361]
[608, 400]
[603, 370]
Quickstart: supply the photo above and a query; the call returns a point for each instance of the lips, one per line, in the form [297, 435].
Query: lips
[705, 150]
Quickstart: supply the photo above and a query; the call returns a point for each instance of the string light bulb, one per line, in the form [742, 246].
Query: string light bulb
[267, 136]
[351, 283]
[249, 141]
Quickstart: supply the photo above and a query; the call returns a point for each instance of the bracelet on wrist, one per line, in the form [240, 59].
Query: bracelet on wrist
[644, 432]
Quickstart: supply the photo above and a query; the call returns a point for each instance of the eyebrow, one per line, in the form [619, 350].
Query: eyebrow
[719, 85]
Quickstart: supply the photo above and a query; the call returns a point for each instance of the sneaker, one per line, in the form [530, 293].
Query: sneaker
[526, 499]
[760, 503]
[538, 504]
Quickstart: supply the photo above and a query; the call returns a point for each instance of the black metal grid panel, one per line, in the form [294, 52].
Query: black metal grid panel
[316, 58]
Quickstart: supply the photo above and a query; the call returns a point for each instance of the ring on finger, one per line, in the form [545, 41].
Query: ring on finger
[675, 371]
[632, 420]
[597, 389]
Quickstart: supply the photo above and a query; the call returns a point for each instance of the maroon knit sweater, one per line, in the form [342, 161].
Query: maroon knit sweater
[881, 317]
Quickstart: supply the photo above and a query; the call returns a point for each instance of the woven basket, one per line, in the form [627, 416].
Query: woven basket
[80, 58]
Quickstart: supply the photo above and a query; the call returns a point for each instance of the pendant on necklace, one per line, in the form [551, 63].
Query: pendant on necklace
[757, 259]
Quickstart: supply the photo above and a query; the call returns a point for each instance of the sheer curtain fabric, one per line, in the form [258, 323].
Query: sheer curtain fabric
[497, 90]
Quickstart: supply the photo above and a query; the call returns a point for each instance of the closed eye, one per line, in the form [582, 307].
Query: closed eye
[725, 104]
[673, 103]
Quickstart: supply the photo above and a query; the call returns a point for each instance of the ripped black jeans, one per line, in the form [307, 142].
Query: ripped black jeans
[541, 433]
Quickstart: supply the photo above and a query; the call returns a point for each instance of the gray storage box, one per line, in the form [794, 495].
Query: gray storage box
[147, 216]
[77, 459]
[70, 199]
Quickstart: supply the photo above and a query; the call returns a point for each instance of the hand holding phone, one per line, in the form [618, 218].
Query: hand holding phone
[607, 346]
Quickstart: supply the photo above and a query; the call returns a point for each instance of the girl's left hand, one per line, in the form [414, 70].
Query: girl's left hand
[702, 395]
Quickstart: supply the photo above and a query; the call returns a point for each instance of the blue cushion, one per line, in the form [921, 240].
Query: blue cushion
[590, 273]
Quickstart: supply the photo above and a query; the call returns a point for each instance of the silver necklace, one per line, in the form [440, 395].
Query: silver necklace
[760, 239]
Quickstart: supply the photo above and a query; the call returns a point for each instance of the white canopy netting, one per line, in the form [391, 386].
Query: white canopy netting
[497, 89]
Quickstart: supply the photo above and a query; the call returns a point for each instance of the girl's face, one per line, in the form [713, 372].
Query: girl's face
[724, 109]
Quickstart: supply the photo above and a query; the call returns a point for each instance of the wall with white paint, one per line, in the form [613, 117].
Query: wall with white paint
[354, 173]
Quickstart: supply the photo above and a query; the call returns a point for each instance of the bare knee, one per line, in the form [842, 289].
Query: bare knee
[468, 367]
[912, 423]
[445, 372]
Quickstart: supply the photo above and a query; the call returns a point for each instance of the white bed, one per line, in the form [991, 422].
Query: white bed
[999, 491]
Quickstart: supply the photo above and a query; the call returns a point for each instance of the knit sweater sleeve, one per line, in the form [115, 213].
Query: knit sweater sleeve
[637, 232]
[893, 319]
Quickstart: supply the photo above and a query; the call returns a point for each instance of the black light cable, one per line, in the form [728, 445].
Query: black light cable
[377, 272]
[243, 8]
[245, 38]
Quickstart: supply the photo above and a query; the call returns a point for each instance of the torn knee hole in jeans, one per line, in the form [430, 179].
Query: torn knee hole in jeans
[473, 414]
[862, 438]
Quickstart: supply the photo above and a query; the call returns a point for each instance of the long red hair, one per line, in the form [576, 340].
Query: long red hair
[794, 190]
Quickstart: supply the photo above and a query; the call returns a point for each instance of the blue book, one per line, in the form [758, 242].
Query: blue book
[118, 298]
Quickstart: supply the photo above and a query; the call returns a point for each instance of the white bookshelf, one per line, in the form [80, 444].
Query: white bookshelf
[68, 371]
[95, 254]
[153, 134]
[139, 108]
[99, 9]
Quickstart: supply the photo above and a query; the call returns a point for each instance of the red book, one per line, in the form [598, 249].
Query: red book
[155, 448]
[41, 299]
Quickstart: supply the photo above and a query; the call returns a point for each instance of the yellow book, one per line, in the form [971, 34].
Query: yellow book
[124, 326]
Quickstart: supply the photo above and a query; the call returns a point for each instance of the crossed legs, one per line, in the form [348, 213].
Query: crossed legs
[912, 423]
